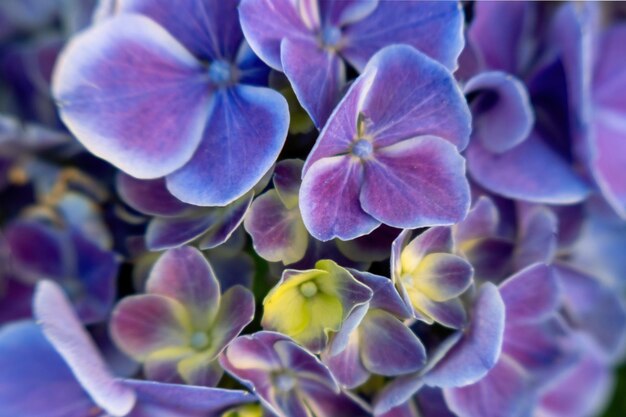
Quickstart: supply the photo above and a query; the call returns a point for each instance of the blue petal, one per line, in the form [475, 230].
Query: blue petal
[241, 141]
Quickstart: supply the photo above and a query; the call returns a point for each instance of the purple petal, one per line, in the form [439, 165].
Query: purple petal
[329, 200]
[531, 171]
[481, 221]
[35, 251]
[531, 295]
[594, 308]
[144, 324]
[112, 100]
[503, 116]
[230, 218]
[346, 366]
[316, 75]
[503, 392]
[149, 196]
[415, 183]
[434, 28]
[343, 12]
[412, 95]
[277, 232]
[385, 295]
[538, 240]
[236, 311]
[490, 257]
[242, 140]
[388, 347]
[185, 275]
[287, 179]
[449, 313]
[478, 350]
[31, 367]
[172, 232]
[608, 131]
[397, 392]
[306, 365]
[502, 55]
[62, 328]
[326, 403]
[444, 276]
[93, 289]
[266, 23]
[183, 400]
[582, 391]
[207, 28]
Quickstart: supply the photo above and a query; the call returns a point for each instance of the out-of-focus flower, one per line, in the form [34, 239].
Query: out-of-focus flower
[183, 323]
[525, 103]
[308, 305]
[310, 41]
[430, 278]
[390, 151]
[170, 90]
[175, 223]
[59, 358]
[289, 380]
[535, 351]
[39, 250]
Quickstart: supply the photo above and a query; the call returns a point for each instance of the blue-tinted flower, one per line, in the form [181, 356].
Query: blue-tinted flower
[38, 250]
[525, 105]
[171, 90]
[310, 41]
[390, 151]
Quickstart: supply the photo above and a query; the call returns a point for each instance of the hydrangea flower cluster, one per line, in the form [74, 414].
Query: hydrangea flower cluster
[312, 208]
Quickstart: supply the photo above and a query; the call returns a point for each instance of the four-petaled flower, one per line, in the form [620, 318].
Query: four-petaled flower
[170, 89]
[390, 151]
[183, 323]
[308, 305]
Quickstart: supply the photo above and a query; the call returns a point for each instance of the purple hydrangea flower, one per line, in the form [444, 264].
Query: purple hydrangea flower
[289, 381]
[183, 322]
[390, 151]
[171, 90]
[312, 41]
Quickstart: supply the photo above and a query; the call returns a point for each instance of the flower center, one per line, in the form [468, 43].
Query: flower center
[330, 36]
[221, 73]
[284, 382]
[199, 340]
[362, 148]
[308, 289]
